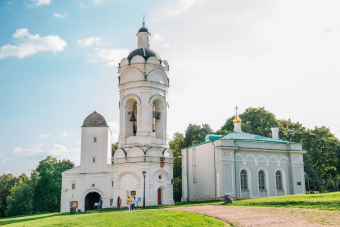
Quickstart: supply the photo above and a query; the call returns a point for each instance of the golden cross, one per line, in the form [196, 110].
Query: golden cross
[236, 111]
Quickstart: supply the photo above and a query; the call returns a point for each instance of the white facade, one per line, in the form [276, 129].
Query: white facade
[143, 141]
[242, 165]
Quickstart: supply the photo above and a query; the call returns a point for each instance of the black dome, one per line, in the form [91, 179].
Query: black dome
[148, 53]
[143, 29]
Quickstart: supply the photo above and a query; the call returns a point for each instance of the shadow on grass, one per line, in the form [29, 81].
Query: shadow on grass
[18, 219]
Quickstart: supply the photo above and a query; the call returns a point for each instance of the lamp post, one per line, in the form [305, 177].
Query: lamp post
[144, 174]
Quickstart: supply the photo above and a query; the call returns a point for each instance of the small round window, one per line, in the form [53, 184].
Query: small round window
[160, 177]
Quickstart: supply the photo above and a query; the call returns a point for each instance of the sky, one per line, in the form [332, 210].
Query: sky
[58, 64]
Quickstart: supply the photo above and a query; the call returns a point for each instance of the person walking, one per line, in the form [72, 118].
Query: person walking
[100, 205]
[119, 202]
[129, 202]
[133, 207]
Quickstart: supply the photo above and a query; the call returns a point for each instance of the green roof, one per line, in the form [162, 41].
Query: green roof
[242, 136]
[250, 137]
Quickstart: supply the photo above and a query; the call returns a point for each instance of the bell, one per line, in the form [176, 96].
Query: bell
[133, 117]
[158, 115]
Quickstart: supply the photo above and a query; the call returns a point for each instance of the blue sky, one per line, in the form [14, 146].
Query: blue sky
[58, 64]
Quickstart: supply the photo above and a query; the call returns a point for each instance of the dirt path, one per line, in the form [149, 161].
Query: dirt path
[268, 216]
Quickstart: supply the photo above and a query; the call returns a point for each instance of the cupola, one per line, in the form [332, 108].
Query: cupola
[237, 122]
[143, 37]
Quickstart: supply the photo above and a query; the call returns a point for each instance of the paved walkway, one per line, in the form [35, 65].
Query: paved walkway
[268, 216]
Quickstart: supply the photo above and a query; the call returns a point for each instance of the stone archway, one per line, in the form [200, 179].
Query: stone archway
[90, 199]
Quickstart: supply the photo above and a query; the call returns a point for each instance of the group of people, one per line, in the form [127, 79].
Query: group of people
[130, 203]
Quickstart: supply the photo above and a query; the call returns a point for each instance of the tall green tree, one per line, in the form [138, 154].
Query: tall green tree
[7, 181]
[196, 134]
[47, 191]
[19, 202]
[176, 145]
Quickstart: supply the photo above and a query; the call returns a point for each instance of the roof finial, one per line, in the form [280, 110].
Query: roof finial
[143, 21]
[237, 119]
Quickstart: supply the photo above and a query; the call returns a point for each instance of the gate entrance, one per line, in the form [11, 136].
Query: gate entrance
[90, 199]
[159, 194]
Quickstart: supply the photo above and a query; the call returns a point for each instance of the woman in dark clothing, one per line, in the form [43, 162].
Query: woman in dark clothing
[119, 202]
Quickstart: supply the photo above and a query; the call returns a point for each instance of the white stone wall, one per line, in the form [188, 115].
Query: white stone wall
[250, 156]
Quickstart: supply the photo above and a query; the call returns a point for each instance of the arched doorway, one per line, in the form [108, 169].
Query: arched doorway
[159, 196]
[90, 199]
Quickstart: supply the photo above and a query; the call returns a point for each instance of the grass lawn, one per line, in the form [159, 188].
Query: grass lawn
[133, 218]
[326, 201]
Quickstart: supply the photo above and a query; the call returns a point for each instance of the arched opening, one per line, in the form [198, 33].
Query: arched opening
[245, 183]
[131, 118]
[279, 183]
[158, 119]
[262, 183]
[90, 199]
[159, 196]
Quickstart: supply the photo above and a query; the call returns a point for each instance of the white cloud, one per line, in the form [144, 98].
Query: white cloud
[97, 1]
[112, 56]
[88, 41]
[61, 152]
[158, 37]
[42, 2]
[184, 5]
[167, 45]
[92, 60]
[36, 149]
[43, 136]
[31, 44]
[63, 134]
[58, 15]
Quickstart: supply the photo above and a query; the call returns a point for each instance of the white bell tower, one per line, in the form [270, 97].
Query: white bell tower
[143, 85]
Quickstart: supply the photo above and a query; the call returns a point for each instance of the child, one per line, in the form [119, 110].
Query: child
[129, 201]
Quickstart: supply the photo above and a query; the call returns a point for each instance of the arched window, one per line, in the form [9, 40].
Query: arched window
[244, 180]
[158, 119]
[262, 180]
[279, 185]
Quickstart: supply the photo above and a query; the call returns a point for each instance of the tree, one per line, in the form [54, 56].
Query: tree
[114, 146]
[47, 191]
[254, 120]
[196, 134]
[7, 181]
[290, 131]
[323, 151]
[19, 202]
[176, 145]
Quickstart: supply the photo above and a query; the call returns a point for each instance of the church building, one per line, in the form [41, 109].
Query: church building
[242, 165]
[143, 162]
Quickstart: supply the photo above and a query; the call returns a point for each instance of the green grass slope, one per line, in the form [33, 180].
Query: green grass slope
[326, 201]
[133, 218]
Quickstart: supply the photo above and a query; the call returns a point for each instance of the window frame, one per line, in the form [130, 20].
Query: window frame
[244, 179]
[279, 180]
[262, 180]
